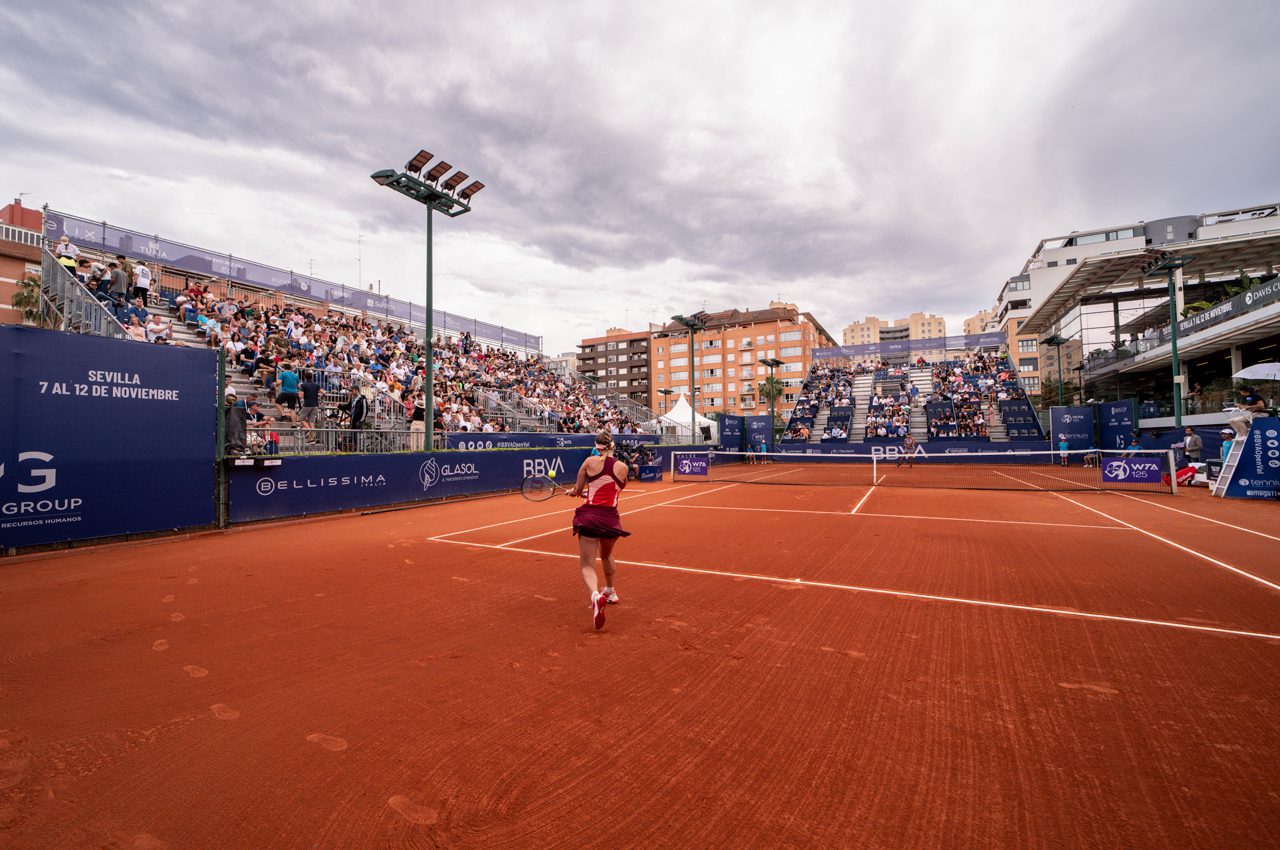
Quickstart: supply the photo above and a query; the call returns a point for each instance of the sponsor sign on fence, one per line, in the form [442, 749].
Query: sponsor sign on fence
[1074, 424]
[484, 442]
[322, 484]
[103, 437]
[1257, 472]
[692, 465]
[1132, 470]
[1259, 296]
[1117, 422]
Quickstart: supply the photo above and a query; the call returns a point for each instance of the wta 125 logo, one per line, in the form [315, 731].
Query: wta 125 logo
[1133, 471]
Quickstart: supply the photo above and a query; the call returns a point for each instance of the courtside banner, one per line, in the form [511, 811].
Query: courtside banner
[1133, 470]
[1074, 424]
[692, 465]
[731, 432]
[758, 429]
[1257, 473]
[1117, 420]
[323, 484]
[103, 437]
[939, 451]
[466, 441]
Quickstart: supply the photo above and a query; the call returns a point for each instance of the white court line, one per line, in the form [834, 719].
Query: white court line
[1165, 540]
[1198, 516]
[863, 500]
[638, 510]
[629, 513]
[901, 594]
[549, 513]
[901, 516]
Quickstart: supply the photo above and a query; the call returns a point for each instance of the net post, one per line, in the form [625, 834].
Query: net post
[1173, 473]
[875, 472]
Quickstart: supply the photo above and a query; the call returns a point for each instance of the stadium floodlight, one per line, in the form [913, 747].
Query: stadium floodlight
[436, 200]
[772, 363]
[694, 323]
[454, 181]
[437, 171]
[418, 163]
[1172, 266]
[465, 194]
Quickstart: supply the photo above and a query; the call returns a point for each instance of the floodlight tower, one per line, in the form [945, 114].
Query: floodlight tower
[1172, 265]
[445, 198]
[695, 323]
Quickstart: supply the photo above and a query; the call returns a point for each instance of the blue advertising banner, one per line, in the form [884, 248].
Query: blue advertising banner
[1074, 424]
[1257, 473]
[1133, 470]
[758, 429]
[84, 418]
[322, 484]
[994, 339]
[731, 432]
[947, 451]
[1117, 420]
[467, 441]
[692, 465]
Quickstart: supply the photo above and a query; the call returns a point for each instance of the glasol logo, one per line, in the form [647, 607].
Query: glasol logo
[432, 472]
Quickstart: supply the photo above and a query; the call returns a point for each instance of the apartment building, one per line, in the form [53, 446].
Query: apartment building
[914, 327]
[724, 366]
[617, 362]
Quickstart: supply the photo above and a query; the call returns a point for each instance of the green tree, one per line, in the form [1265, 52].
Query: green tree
[27, 299]
[770, 390]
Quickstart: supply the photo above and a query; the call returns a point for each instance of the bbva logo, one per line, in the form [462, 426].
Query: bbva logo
[45, 478]
[543, 466]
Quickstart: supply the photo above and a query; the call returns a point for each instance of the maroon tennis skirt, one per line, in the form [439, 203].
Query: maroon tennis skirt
[598, 521]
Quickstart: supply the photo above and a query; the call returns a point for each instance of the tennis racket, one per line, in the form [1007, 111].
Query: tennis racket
[539, 488]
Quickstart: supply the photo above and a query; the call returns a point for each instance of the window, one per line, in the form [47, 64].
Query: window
[769, 338]
[748, 372]
[613, 371]
[679, 348]
[731, 341]
[791, 351]
[679, 376]
[791, 336]
[712, 388]
[662, 364]
[1020, 285]
[759, 340]
[710, 373]
[747, 345]
[770, 355]
[793, 367]
[731, 371]
[613, 346]
[711, 343]
[1027, 364]
[613, 358]
[661, 377]
[711, 358]
[679, 361]
[622, 383]
[613, 385]
[730, 357]
[679, 389]
[662, 349]
[1027, 346]
[732, 388]
[793, 382]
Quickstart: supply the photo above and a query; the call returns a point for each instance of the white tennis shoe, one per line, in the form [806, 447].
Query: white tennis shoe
[610, 595]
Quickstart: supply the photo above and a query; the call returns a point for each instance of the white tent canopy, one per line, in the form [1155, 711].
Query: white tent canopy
[679, 416]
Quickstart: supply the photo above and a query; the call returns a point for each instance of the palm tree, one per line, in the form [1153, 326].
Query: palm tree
[27, 299]
[770, 391]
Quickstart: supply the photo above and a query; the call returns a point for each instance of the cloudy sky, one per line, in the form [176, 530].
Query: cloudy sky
[644, 159]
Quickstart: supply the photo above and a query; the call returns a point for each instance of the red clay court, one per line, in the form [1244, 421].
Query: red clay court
[942, 668]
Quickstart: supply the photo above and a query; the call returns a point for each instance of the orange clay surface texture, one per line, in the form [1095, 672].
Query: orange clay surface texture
[913, 675]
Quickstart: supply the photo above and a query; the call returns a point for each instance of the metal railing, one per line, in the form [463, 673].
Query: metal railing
[292, 439]
[77, 309]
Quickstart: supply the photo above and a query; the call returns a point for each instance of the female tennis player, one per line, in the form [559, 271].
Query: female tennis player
[596, 523]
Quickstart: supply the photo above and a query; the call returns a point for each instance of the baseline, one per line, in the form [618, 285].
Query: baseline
[895, 516]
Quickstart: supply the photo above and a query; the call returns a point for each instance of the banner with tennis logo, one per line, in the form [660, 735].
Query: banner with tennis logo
[1257, 472]
[730, 432]
[1073, 424]
[1133, 470]
[692, 465]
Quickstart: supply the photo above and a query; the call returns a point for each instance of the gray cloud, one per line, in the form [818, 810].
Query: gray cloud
[643, 158]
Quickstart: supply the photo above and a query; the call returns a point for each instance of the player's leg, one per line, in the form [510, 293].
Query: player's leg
[587, 549]
[606, 559]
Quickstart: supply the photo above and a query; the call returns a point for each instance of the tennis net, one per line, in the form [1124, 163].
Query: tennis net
[1140, 471]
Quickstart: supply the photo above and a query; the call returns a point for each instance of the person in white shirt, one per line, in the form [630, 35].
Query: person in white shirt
[141, 282]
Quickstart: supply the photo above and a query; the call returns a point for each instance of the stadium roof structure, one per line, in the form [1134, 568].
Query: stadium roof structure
[1121, 275]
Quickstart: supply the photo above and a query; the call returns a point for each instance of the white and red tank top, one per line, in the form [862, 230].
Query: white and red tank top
[603, 488]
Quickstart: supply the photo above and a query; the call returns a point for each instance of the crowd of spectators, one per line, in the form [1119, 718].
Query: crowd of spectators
[889, 416]
[272, 343]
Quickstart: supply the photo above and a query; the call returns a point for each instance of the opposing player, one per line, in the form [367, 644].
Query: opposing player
[596, 523]
[908, 450]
